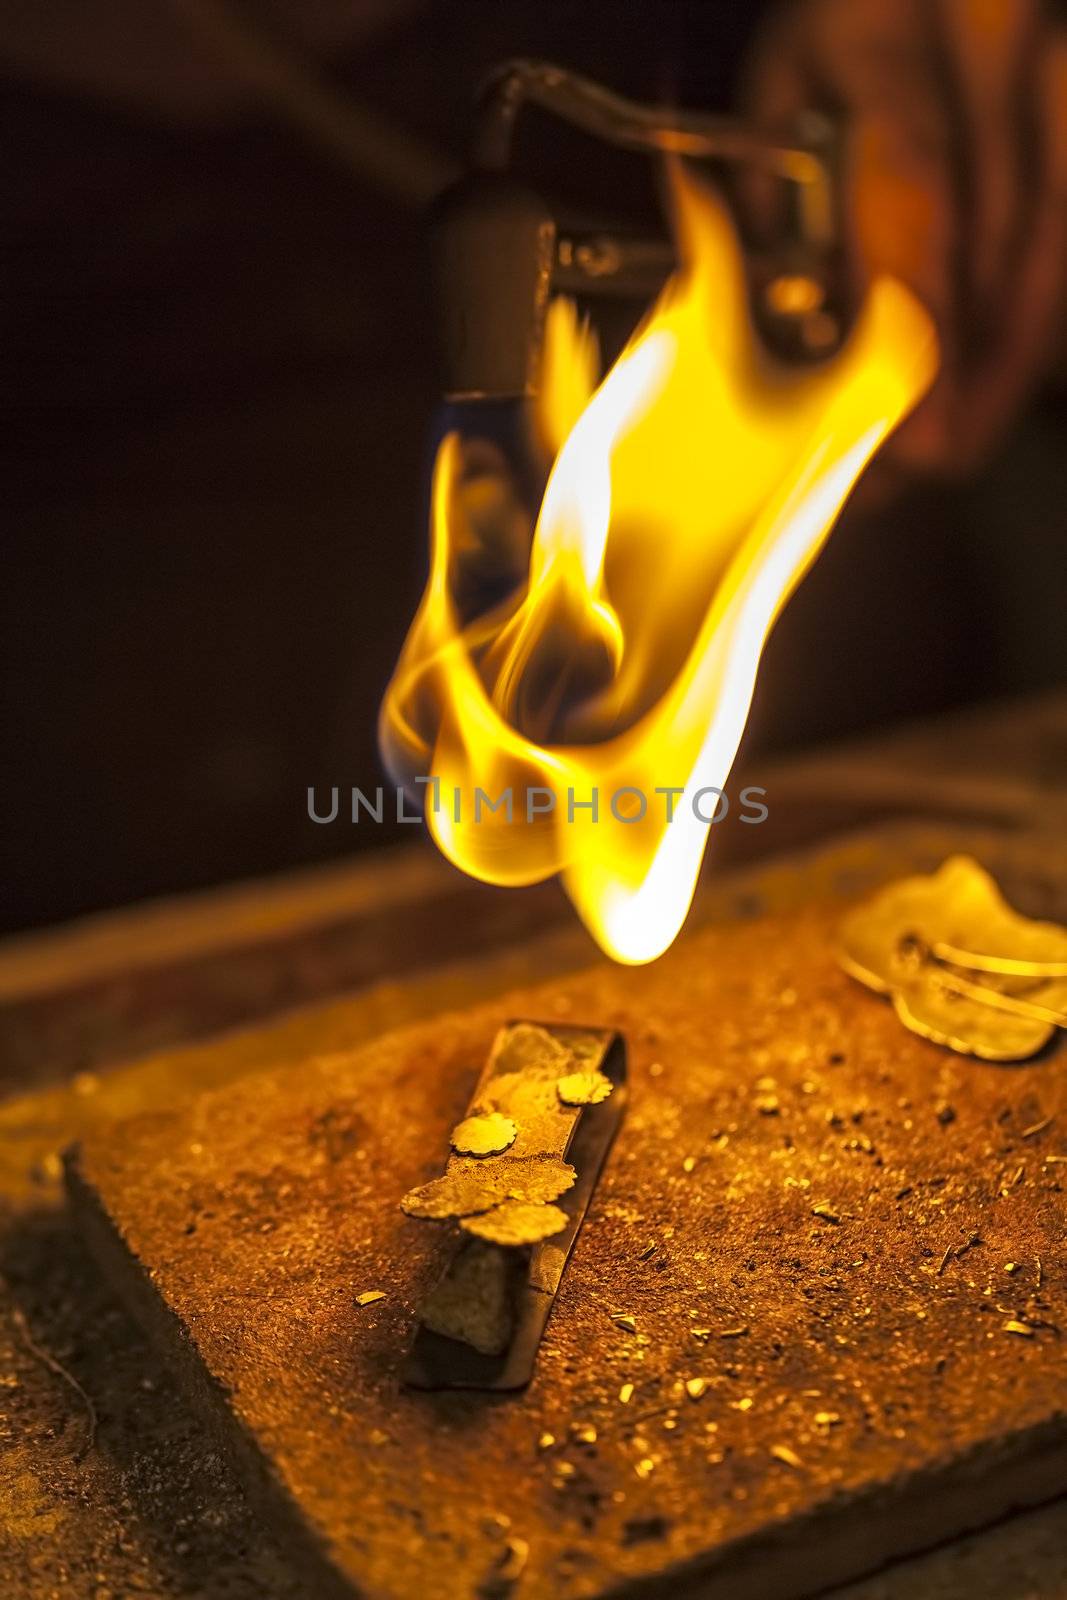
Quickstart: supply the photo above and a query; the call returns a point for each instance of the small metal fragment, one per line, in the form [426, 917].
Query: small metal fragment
[728, 1333]
[1013, 1325]
[517, 1222]
[583, 1088]
[825, 1212]
[622, 1319]
[946, 1015]
[369, 1296]
[485, 1134]
[1035, 1009]
[782, 1452]
[537, 1179]
[695, 1388]
[472, 1186]
[1037, 1127]
[915, 941]
[457, 1193]
[626, 1394]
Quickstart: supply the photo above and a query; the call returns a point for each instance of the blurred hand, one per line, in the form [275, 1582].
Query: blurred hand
[954, 116]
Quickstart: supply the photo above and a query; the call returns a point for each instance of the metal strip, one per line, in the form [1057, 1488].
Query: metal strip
[436, 1362]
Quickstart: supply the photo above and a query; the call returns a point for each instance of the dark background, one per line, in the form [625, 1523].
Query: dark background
[219, 387]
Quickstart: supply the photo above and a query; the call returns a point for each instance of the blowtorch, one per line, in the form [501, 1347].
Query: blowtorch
[501, 251]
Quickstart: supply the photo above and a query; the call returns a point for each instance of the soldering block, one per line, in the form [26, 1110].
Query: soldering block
[812, 1321]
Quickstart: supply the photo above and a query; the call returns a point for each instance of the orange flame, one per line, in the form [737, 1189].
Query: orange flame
[689, 493]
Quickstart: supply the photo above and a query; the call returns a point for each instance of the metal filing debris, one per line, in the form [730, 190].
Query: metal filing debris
[960, 966]
[522, 1170]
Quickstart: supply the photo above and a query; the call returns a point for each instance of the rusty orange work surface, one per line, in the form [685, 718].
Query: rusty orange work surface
[840, 1247]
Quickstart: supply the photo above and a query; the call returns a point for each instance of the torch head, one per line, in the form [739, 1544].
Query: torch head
[493, 245]
[499, 252]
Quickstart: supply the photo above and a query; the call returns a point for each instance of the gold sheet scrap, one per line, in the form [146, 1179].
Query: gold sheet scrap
[488, 1134]
[583, 1088]
[961, 967]
[465, 1190]
[507, 1169]
[517, 1222]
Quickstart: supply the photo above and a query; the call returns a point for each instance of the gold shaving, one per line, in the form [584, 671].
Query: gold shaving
[517, 1222]
[486, 1134]
[1013, 1325]
[622, 1319]
[696, 1388]
[584, 1088]
[369, 1296]
[626, 1394]
[782, 1452]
